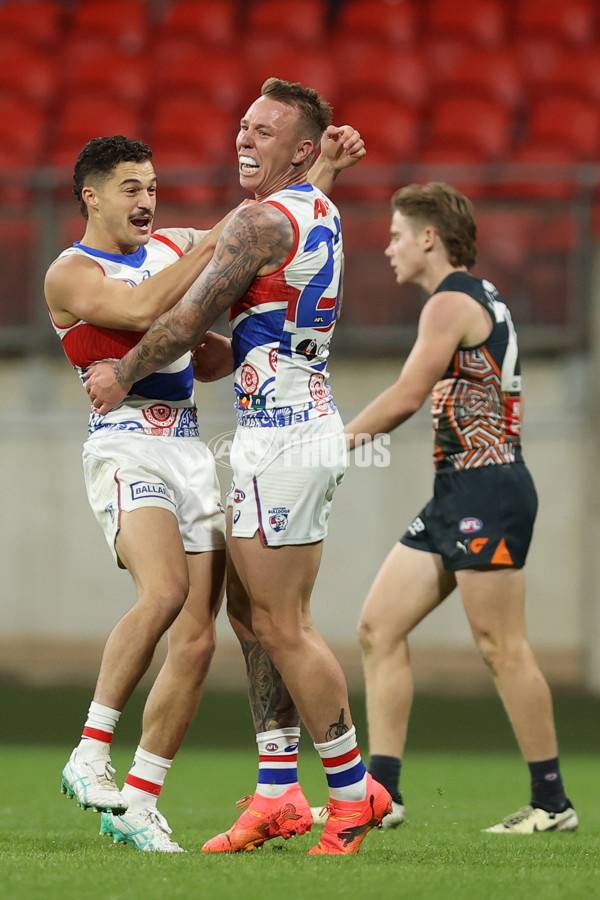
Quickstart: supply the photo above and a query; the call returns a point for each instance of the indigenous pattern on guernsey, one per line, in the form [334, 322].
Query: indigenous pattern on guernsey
[476, 406]
[283, 324]
[160, 404]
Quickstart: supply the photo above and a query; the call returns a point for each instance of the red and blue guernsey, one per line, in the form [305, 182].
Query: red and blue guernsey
[282, 326]
[160, 404]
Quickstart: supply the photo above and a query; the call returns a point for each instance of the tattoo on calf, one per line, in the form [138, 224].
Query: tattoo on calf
[270, 703]
[337, 729]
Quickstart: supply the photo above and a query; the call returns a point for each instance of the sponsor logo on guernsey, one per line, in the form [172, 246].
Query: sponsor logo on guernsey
[236, 515]
[142, 489]
[278, 518]
[469, 524]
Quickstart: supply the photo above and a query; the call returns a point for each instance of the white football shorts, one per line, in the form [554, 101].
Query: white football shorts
[284, 480]
[125, 471]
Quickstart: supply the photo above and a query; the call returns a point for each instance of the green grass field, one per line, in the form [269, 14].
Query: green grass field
[461, 774]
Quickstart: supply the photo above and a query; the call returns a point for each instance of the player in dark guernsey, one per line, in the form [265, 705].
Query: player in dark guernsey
[475, 532]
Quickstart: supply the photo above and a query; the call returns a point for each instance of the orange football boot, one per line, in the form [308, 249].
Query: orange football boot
[349, 822]
[266, 818]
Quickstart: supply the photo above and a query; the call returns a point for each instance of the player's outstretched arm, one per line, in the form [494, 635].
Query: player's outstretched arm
[341, 148]
[258, 238]
[442, 325]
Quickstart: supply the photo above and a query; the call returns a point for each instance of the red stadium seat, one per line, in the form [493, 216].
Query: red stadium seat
[103, 71]
[572, 22]
[395, 24]
[390, 130]
[205, 74]
[303, 23]
[124, 22]
[36, 24]
[495, 75]
[27, 74]
[87, 116]
[208, 22]
[473, 124]
[568, 122]
[371, 70]
[480, 22]
[22, 129]
[574, 72]
[187, 125]
[312, 68]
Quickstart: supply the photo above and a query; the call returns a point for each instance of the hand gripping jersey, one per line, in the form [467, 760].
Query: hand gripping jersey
[161, 403]
[476, 406]
[283, 324]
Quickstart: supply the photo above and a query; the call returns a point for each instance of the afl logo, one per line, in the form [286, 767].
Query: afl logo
[273, 358]
[160, 415]
[238, 495]
[249, 379]
[470, 524]
[272, 748]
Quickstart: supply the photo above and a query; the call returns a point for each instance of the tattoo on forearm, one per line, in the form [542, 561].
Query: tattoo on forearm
[253, 238]
[270, 702]
[337, 729]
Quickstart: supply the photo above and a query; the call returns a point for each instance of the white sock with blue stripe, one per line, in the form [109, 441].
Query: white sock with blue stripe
[345, 770]
[277, 761]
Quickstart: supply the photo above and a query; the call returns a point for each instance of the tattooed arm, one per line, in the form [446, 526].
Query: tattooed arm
[257, 240]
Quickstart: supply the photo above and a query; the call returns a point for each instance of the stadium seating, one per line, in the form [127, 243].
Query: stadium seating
[207, 22]
[482, 23]
[86, 116]
[493, 75]
[393, 24]
[367, 69]
[303, 23]
[205, 73]
[571, 22]
[124, 23]
[37, 24]
[104, 71]
[568, 122]
[27, 73]
[315, 68]
[472, 123]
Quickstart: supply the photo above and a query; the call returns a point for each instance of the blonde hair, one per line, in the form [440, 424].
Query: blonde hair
[450, 213]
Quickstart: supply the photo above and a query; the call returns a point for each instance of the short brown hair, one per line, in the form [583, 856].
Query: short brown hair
[315, 112]
[450, 213]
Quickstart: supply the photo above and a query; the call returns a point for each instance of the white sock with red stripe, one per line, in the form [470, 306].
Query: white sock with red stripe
[277, 761]
[345, 770]
[145, 779]
[98, 731]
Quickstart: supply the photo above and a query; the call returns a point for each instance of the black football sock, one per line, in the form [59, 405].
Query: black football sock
[547, 789]
[386, 770]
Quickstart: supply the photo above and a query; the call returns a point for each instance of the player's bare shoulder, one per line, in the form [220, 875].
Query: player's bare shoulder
[66, 279]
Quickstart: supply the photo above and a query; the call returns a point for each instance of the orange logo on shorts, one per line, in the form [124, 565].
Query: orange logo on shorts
[477, 544]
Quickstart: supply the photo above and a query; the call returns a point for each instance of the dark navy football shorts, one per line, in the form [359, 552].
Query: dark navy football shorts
[478, 517]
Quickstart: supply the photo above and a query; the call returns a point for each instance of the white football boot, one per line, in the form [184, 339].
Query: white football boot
[395, 818]
[92, 783]
[530, 819]
[144, 828]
